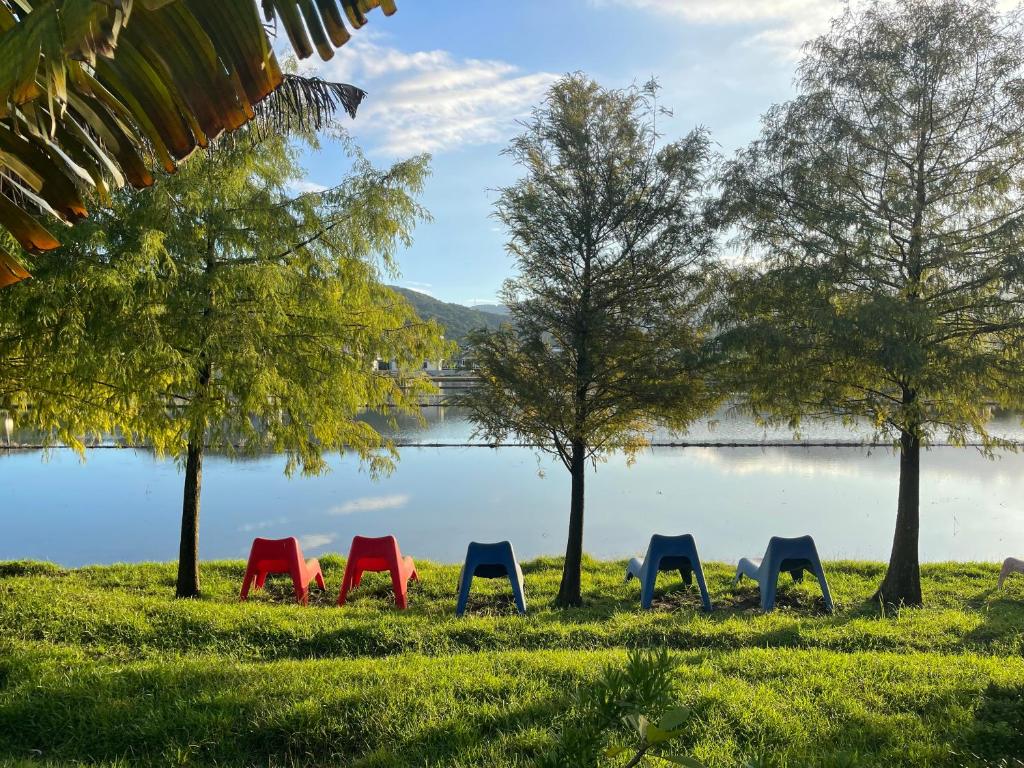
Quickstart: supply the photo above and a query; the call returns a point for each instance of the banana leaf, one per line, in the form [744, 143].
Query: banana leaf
[96, 93]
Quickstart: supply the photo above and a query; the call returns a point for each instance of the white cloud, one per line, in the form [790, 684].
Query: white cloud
[432, 101]
[786, 24]
[304, 186]
[412, 285]
[315, 540]
[727, 11]
[371, 504]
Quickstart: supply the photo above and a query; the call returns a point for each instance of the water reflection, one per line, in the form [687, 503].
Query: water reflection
[125, 504]
[449, 426]
[443, 425]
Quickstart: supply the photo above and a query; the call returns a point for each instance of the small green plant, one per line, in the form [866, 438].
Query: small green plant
[650, 740]
[629, 710]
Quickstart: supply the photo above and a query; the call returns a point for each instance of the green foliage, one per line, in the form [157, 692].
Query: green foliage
[219, 267]
[883, 201]
[610, 250]
[100, 666]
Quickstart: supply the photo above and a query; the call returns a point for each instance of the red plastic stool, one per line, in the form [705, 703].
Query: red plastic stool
[378, 555]
[269, 556]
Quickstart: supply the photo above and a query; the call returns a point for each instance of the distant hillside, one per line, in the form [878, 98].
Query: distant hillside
[496, 309]
[457, 320]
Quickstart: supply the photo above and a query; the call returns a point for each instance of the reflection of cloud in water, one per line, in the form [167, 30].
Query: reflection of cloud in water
[441, 424]
[939, 462]
[262, 525]
[371, 504]
[783, 461]
[315, 540]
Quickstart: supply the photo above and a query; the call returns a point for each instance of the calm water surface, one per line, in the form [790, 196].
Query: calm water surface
[124, 505]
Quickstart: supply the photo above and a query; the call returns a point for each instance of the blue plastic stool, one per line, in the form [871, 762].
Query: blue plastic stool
[491, 561]
[793, 556]
[668, 553]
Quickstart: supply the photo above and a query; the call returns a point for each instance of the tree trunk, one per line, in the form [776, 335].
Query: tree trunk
[188, 548]
[188, 552]
[569, 592]
[902, 583]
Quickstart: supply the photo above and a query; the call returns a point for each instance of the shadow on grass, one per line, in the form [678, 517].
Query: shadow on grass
[997, 729]
[252, 716]
[13, 569]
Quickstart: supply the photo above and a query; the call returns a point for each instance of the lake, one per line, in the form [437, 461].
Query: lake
[123, 504]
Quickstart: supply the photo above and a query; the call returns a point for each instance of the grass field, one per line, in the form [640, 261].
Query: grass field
[100, 666]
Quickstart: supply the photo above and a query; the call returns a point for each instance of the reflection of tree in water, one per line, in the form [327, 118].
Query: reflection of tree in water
[434, 419]
[441, 425]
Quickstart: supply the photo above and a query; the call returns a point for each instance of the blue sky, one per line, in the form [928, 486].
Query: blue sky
[452, 78]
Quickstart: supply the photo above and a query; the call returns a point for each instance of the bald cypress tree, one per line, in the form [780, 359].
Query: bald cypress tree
[610, 248]
[884, 206]
[218, 310]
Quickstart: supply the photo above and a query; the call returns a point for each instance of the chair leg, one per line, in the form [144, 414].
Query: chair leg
[261, 579]
[702, 585]
[1010, 565]
[687, 575]
[465, 582]
[517, 590]
[300, 584]
[797, 574]
[825, 593]
[346, 582]
[648, 583]
[400, 586]
[319, 577]
[769, 584]
[247, 582]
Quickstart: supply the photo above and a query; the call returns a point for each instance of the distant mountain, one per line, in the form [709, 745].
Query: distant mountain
[494, 309]
[457, 320]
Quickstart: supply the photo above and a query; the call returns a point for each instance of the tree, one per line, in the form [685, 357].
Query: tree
[884, 203]
[610, 247]
[93, 93]
[216, 311]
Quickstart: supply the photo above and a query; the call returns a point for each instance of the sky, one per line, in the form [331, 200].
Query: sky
[452, 79]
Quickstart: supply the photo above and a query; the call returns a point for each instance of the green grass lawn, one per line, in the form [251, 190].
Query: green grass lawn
[101, 666]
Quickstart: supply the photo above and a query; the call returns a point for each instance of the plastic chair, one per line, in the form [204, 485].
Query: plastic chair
[1010, 565]
[491, 561]
[668, 553]
[793, 556]
[269, 556]
[378, 555]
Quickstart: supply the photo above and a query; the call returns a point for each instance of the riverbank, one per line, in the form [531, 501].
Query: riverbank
[101, 666]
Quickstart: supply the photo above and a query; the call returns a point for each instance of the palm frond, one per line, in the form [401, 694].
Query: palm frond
[95, 92]
[304, 104]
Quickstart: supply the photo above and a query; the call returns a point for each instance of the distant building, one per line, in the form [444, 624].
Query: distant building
[430, 366]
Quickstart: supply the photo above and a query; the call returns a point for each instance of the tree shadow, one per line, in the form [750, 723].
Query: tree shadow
[205, 714]
[997, 730]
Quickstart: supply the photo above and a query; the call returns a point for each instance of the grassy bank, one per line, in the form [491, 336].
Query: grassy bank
[100, 666]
